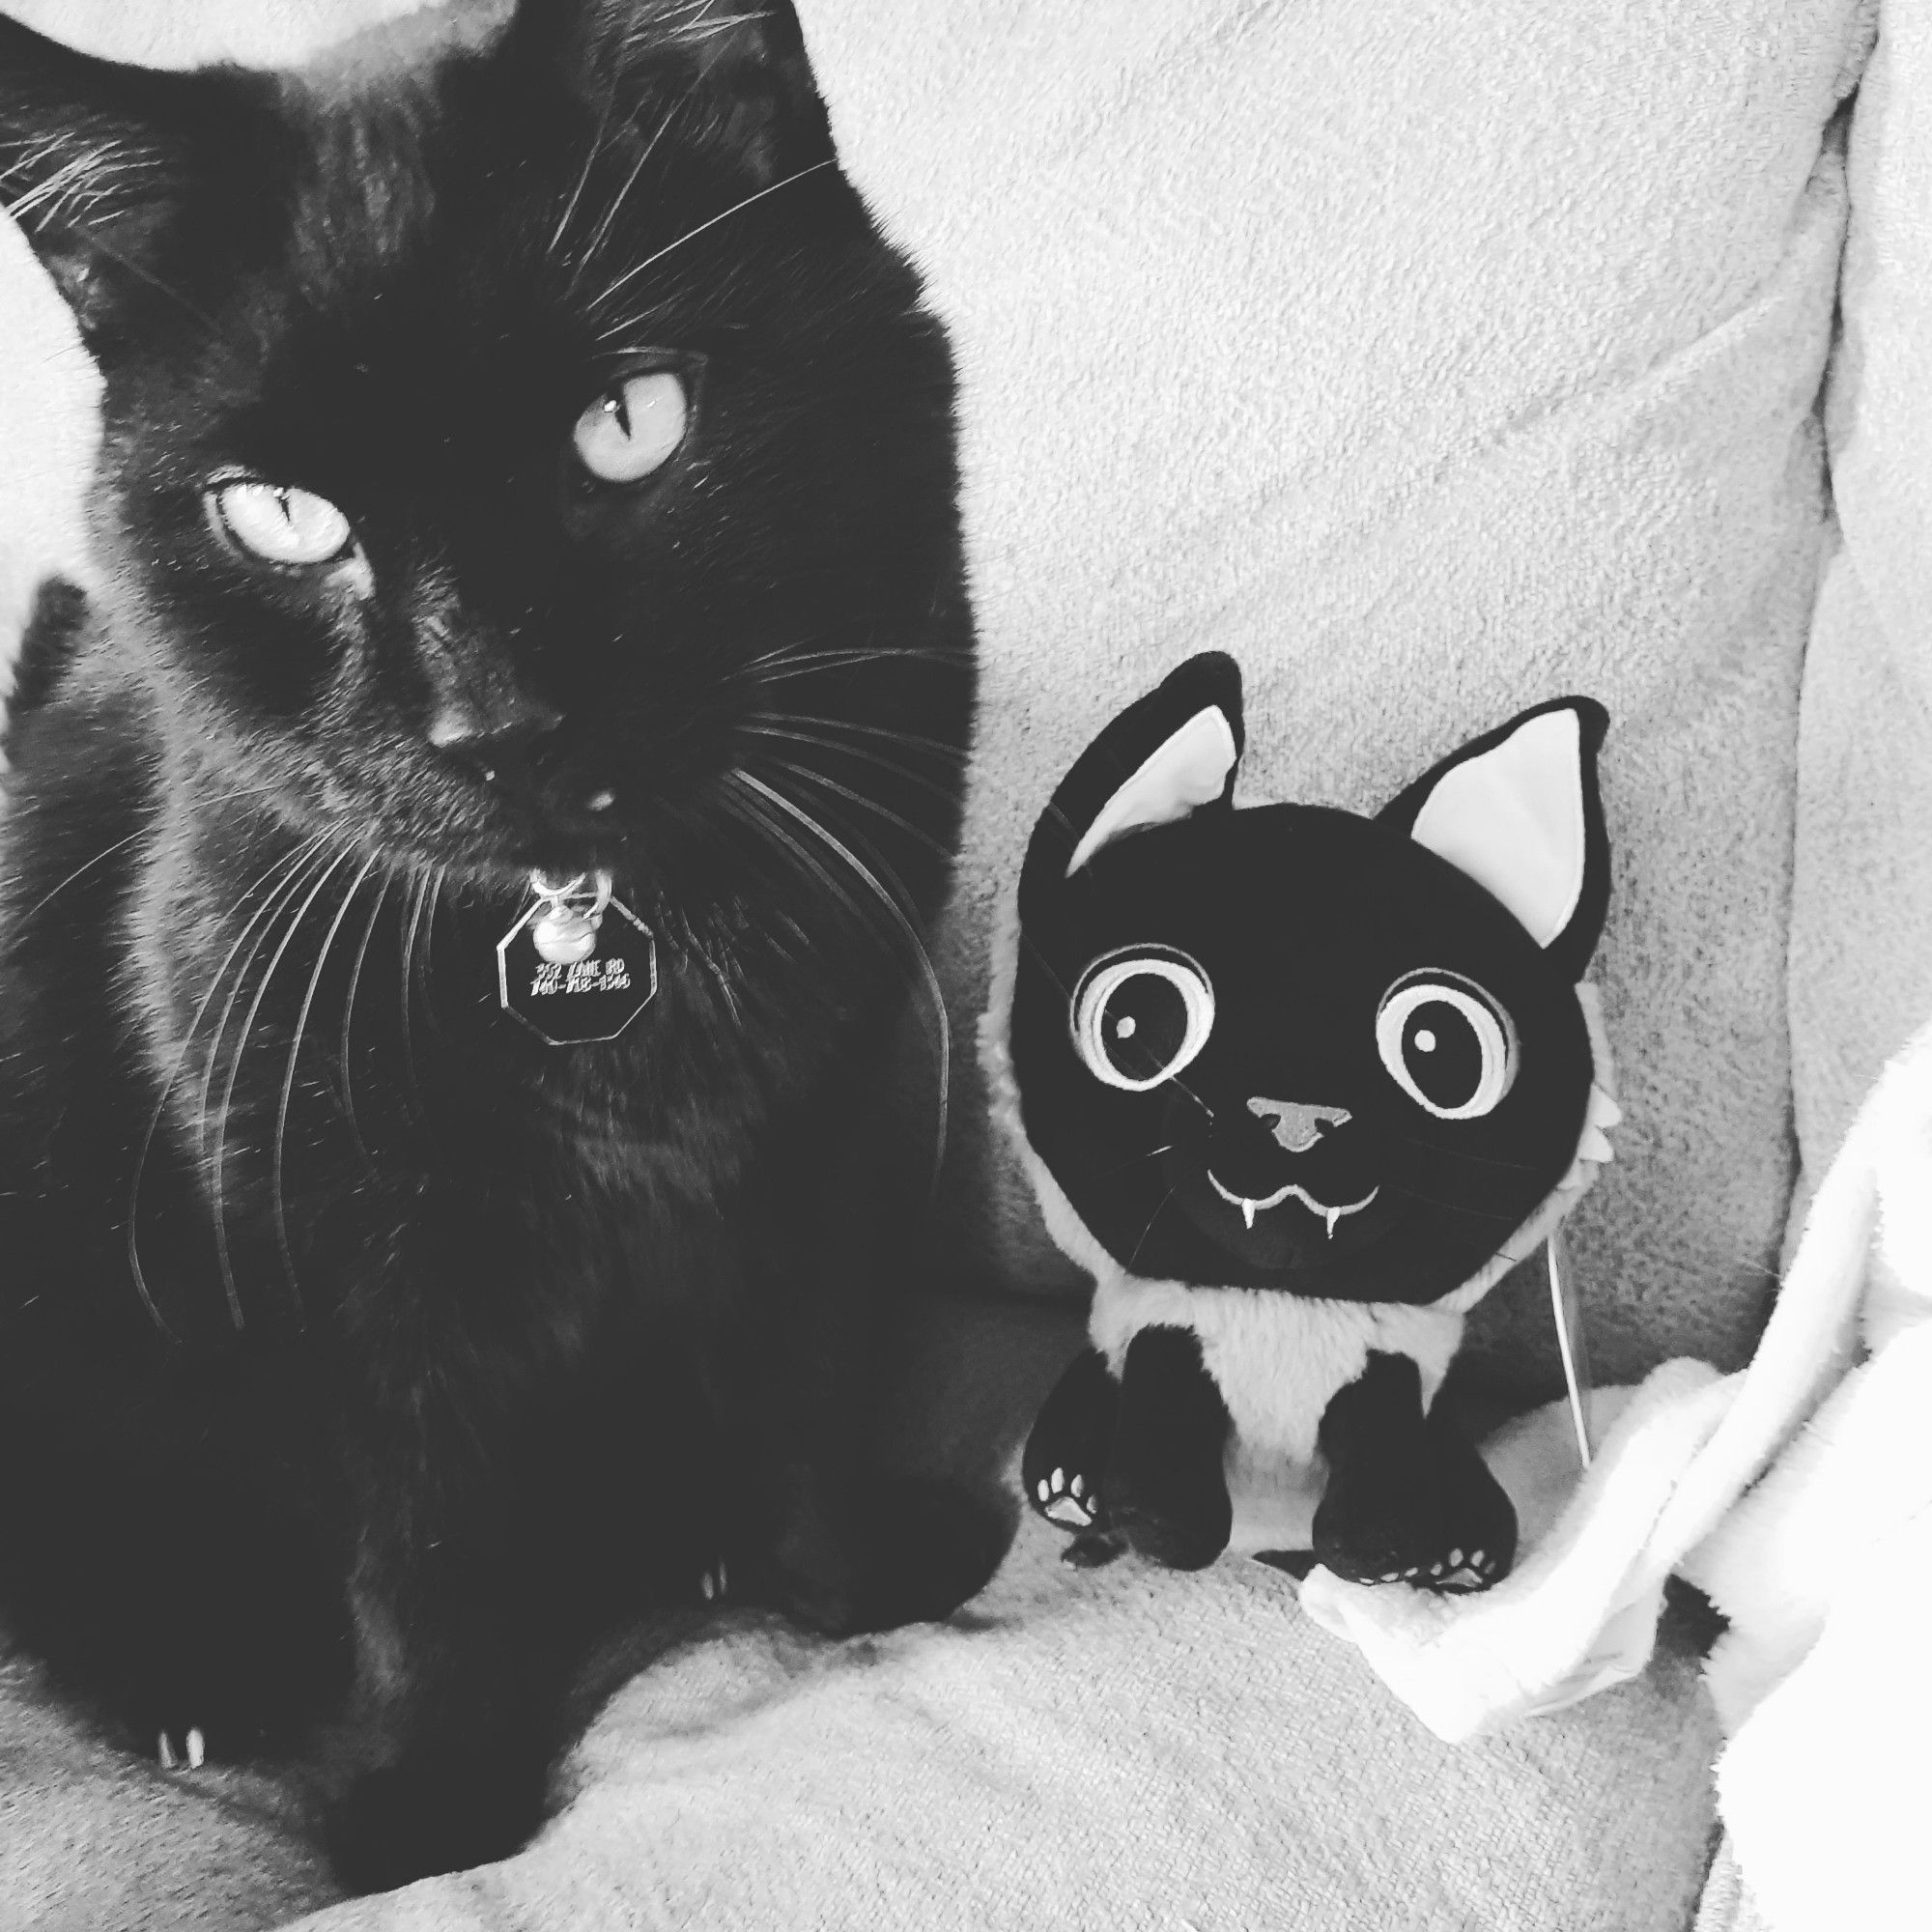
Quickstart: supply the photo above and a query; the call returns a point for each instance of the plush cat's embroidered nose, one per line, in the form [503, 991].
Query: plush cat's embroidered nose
[1296, 1124]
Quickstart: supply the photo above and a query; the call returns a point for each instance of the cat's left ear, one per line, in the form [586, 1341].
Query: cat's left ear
[98, 159]
[1518, 811]
[743, 61]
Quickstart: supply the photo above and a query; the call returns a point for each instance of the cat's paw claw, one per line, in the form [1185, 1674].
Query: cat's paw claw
[1067, 1501]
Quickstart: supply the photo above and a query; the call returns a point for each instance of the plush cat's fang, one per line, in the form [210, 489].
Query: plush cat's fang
[1251, 1206]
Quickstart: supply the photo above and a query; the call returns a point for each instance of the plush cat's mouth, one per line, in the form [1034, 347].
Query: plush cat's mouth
[1329, 1213]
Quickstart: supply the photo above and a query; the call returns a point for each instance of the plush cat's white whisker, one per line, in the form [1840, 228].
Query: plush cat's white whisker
[692, 234]
[1159, 1209]
[288, 865]
[219, 1165]
[289, 1080]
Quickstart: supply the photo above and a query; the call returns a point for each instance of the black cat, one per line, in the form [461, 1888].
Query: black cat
[531, 468]
[1298, 1087]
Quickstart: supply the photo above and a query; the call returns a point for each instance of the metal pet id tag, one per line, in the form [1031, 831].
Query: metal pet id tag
[575, 974]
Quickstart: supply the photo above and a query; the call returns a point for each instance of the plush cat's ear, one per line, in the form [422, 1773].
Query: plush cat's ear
[1166, 757]
[1518, 811]
[740, 64]
[97, 159]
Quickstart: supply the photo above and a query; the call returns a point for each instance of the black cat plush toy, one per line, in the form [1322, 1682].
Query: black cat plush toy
[1297, 1087]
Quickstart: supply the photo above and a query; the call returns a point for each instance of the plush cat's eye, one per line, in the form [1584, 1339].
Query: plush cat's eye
[1447, 1044]
[633, 429]
[1140, 1016]
[293, 527]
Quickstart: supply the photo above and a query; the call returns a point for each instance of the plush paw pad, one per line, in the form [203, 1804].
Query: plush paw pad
[1066, 1500]
[1456, 1571]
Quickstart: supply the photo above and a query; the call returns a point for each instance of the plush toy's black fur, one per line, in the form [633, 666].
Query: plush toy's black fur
[1303, 918]
[357, 1350]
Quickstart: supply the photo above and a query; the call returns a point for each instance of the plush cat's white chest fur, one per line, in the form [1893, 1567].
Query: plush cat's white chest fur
[1276, 1358]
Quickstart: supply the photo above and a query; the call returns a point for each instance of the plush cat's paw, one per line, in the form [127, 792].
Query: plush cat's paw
[1070, 1500]
[1071, 1440]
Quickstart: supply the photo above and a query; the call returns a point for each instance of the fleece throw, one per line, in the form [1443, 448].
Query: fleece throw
[1861, 916]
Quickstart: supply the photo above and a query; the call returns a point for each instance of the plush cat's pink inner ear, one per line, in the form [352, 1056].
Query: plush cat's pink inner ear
[1189, 770]
[1512, 819]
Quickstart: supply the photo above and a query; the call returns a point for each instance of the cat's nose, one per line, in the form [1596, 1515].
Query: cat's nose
[477, 729]
[499, 740]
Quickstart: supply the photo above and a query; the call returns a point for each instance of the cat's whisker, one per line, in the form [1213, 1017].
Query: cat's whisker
[216, 1195]
[943, 1028]
[872, 805]
[914, 741]
[418, 898]
[692, 234]
[289, 1083]
[426, 966]
[288, 865]
[285, 895]
[789, 665]
[121, 845]
[938, 1029]
[349, 1021]
[596, 240]
[863, 753]
[596, 148]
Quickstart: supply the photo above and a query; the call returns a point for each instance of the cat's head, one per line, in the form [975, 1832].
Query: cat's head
[1292, 1047]
[500, 456]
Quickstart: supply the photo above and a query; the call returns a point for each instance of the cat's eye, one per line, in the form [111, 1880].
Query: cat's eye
[293, 527]
[1140, 1016]
[1447, 1044]
[634, 428]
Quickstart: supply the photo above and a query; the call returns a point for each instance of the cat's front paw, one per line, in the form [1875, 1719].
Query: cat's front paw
[193, 1754]
[434, 1811]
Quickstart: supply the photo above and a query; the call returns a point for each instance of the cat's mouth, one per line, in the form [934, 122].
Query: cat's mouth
[1252, 1204]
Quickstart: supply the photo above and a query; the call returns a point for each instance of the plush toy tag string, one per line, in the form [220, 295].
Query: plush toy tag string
[1567, 1311]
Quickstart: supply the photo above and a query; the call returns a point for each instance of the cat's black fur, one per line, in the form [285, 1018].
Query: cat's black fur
[357, 1350]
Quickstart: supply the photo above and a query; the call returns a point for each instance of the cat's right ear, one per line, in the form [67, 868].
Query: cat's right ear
[740, 65]
[97, 159]
[1168, 755]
